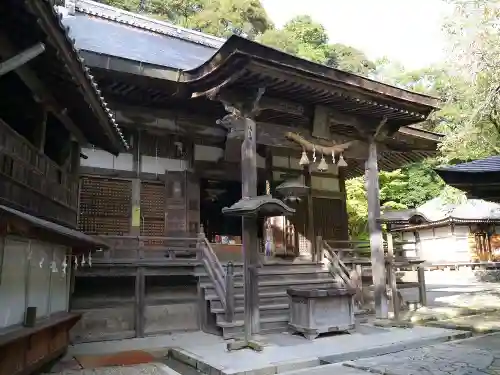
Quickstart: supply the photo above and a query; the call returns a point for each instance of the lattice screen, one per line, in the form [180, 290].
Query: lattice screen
[105, 206]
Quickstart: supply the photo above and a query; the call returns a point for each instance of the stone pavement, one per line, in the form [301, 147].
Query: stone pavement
[147, 369]
[286, 354]
[478, 355]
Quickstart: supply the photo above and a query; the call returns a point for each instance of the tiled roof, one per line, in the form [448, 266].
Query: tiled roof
[127, 35]
[85, 71]
[490, 164]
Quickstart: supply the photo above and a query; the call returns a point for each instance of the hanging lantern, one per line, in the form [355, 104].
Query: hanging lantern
[341, 162]
[322, 166]
[304, 160]
[292, 190]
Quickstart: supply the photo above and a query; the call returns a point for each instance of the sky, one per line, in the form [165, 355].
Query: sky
[408, 31]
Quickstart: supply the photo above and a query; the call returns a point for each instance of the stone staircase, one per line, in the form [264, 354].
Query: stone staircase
[274, 280]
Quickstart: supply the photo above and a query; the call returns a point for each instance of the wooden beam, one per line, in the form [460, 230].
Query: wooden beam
[41, 92]
[21, 58]
[264, 103]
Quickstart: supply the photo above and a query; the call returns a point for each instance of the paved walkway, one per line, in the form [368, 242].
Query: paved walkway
[479, 355]
[287, 353]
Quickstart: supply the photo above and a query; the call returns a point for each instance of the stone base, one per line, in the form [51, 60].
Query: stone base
[312, 333]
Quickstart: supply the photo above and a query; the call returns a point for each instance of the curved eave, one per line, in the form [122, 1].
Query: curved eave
[226, 67]
[446, 222]
[51, 22]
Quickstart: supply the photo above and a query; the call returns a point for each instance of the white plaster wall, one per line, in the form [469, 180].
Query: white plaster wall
[409, 249]
[26, 279]
[103, 159]
[443, 246]
[59, 292]
[151, 164]
[13, 282]
[208, 153]
[39, 278]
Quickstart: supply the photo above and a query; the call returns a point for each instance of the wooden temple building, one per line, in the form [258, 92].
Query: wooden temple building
[184, 98]
[50, 106]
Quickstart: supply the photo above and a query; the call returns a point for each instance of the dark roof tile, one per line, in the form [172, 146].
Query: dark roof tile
[490, 164]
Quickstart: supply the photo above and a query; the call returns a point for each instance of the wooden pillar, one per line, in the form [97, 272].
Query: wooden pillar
[269, 248]
[249, 240]
[375, 229]
[311, 238]
[422, 291]
[140, 299]
[135, 222]
[392, 276]
[75, 158]
[40, 133]
[345, 217]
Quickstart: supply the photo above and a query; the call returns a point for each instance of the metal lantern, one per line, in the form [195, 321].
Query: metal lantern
[292, 189]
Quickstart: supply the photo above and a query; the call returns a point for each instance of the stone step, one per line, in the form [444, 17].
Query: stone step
[275, 324]
[265, 311]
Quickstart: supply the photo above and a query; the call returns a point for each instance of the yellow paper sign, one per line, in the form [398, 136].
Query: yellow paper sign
[136, 216]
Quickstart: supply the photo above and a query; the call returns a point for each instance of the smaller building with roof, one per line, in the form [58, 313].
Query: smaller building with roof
[445, 233]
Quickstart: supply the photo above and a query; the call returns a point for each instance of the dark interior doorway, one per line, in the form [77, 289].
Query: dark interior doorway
[215, 195]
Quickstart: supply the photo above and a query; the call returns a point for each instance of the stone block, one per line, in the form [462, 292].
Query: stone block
[316, 311]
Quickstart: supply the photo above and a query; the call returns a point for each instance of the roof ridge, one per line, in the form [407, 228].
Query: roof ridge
[140, 21]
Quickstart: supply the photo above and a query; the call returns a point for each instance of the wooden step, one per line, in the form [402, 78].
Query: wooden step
[265, 312]
[264, 299]
[274, 324]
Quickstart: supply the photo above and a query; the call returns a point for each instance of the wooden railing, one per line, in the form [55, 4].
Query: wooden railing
[348, 259]
[150, 250]
[34, 182]
[223, 281]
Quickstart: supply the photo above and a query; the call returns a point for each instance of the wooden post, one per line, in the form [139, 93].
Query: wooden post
[376, 240]
[229, 292]
[318, 256]
[268, 228]
[310, 212]
[139, 310]
[40, 134]
[249, 240]
[136, 219]
[422, 291]
[392, 276]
